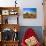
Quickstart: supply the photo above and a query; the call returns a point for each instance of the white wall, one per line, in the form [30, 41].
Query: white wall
[7, 3]
[27, 4]
[32, 4]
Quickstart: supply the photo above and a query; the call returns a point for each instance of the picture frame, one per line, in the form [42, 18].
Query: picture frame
[29, 12]
[5, 12]
[12, 12]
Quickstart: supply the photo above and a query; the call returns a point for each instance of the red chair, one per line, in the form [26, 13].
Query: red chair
[29, 33]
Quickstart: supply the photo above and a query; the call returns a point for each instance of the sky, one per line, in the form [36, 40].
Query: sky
[32, 10]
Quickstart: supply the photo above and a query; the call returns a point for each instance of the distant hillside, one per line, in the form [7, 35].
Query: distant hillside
[27, 15]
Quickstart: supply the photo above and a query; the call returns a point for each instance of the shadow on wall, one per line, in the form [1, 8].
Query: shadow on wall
[37, 29]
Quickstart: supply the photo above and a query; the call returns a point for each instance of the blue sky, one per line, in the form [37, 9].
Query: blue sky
[32, 10]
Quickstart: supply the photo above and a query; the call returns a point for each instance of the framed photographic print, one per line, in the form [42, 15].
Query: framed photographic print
[5, 12]
[29, 12]
[12, 12]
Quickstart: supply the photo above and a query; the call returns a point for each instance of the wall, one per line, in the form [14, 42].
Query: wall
[7, 3]
[27, 3]
[32, 4]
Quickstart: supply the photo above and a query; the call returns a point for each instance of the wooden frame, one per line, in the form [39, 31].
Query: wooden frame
[11, 26]
[8, 11]
[7, 25]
